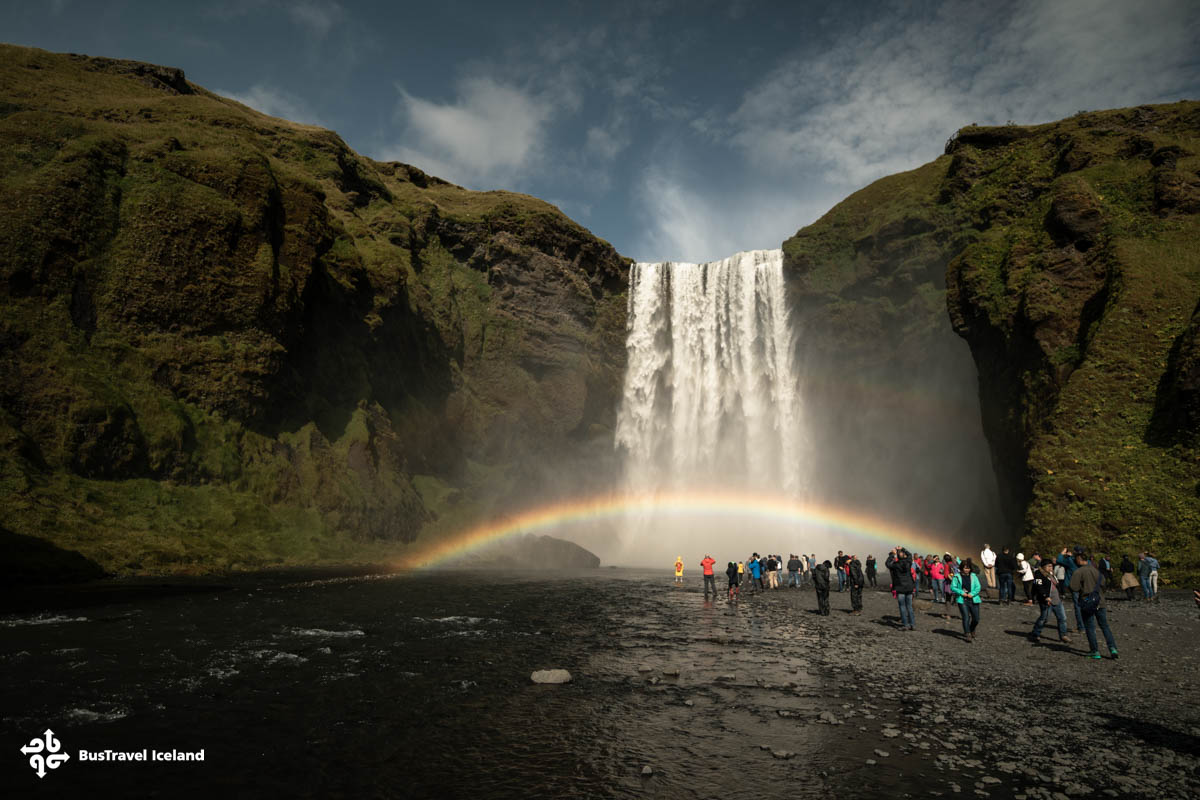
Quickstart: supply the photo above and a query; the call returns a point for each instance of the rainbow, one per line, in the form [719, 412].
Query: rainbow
[682, 504]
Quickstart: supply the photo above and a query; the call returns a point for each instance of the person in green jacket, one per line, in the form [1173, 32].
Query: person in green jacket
[965, 588]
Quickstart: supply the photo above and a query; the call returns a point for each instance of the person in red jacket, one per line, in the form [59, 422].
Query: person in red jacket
[710, 582]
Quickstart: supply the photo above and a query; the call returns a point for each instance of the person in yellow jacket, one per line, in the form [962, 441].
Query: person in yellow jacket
[679, 569]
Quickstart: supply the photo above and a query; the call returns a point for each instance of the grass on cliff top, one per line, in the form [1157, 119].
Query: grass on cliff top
[830, 247]
[1098, 481]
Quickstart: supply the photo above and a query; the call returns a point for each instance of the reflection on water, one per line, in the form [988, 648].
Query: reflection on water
[419, 686]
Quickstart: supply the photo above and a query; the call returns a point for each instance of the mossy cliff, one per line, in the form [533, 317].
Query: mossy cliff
[1071, 262]
[228, 340]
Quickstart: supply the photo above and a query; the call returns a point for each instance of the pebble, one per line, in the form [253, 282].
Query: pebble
[827, 716]
[882, 753]
[646, 770]
[550, 676]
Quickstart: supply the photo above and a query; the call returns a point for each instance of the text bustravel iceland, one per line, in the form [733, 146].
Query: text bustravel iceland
[141, 755]
[46, 754]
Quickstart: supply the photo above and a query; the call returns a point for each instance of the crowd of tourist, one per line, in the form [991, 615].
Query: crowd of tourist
[953, 582]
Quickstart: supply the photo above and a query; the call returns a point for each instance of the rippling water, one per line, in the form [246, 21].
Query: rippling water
[418, 686]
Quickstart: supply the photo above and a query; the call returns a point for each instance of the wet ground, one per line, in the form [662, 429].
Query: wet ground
[418, 686]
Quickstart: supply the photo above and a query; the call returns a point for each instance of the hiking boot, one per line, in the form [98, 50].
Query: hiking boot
[1094, 655]
[1065, 640]
[1112, 651]
[1034, 639]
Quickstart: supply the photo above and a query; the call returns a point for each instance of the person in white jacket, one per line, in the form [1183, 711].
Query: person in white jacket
[988, 559]
[1026, 577]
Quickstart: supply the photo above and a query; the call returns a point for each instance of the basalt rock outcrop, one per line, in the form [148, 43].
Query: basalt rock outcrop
[1066, 255]
[227, 340]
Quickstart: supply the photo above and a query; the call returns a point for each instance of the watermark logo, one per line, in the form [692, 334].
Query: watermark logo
[43, 753]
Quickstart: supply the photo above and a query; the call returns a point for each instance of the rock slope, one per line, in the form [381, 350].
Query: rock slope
[1069, 256]
[228, 340]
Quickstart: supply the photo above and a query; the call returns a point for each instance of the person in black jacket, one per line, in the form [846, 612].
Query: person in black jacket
[899, 564]
[793, 566]
[871, 570]
[839, 565]
[1006, 565]
[821, 584]
[856, 585]
[1047, 598]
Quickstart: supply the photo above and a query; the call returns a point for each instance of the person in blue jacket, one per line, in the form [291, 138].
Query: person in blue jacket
[966, 589]
[755, 567]
[1068, 564]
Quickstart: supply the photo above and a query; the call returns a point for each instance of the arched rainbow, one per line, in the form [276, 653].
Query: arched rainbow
[707, 504]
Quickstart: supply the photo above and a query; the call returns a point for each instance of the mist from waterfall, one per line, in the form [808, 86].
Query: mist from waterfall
[711, 396]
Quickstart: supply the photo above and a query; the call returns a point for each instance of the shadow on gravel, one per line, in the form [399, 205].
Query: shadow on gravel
[947, 632]
[1154, 734]
[1049, 644]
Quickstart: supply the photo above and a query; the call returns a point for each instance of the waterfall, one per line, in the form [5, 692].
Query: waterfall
[710, 396]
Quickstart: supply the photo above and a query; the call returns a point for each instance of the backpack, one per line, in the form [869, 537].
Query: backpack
[1089, 602]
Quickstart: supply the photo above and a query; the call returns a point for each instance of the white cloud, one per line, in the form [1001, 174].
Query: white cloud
[317, 17]
[681, 222]
[884, 98]
[491, 132]
[276, 103]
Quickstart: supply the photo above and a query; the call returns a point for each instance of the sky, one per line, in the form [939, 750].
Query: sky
[679, 131]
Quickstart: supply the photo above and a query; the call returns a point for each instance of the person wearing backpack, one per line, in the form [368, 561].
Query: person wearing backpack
[856, 585]
[1087, 584]
[821, 584]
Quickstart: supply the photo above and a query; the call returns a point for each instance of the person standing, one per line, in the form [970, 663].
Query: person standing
[871, 569]
[679, 570]
[1128, 581]
[1105, 567]
[951, 567]
[772, 572]
[710, 580]
[1006, 565]
[793, 566]
[1045, 594]
[855, 576]
[937, 578]
[1153, 575]
[1067, 562]
[988, 559]
[1087, 588]
[966, 588]
[821, 584]
[838, 565]
[756, 566]
[899, 564]
[1026, 570]
[731, 572]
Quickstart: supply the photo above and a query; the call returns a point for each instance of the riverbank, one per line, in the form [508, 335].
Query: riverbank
[384, 685]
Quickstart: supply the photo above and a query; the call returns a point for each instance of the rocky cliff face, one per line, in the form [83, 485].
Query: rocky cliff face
[227, 339]
[1070, 259]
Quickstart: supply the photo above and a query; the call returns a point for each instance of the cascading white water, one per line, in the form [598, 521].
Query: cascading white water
[711, 396]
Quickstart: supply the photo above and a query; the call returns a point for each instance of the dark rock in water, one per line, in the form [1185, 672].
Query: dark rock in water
[529, 552]
[28, 560]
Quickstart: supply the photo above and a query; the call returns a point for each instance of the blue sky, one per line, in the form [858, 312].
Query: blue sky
[675, 130]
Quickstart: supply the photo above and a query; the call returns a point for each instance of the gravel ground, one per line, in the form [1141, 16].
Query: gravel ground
[1002, 717]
